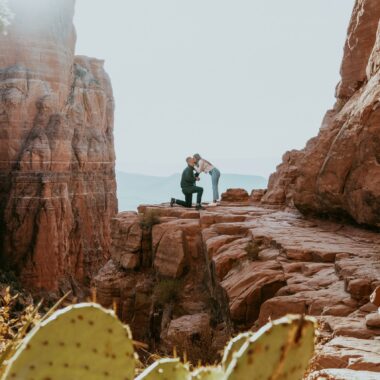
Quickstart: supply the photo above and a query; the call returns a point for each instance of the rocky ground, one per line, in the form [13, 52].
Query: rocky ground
[192, 279]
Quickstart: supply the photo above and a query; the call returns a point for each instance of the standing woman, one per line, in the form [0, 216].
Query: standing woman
[204, 166]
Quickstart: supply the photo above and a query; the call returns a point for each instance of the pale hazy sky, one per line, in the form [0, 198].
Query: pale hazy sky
[239, 81]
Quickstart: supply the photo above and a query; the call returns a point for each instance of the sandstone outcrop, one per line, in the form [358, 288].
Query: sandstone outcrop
[257, 195]
[170, 298]
[235, 195]
[238, 265]
[57, 182]
[343, 374]
[338, 172]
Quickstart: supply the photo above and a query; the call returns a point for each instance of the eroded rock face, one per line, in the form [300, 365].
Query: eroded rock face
[235, 266]
[343, 374]
[338, 172]
[57, 183]
[351, 353]
[170, 299]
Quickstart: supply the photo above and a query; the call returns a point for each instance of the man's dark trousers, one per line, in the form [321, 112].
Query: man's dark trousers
[189, 191]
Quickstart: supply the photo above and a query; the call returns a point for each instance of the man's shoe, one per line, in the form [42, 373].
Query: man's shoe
[199, 207]
[212, 204]
[172, 201]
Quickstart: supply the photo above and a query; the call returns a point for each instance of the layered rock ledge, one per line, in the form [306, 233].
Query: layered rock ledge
[234, 267]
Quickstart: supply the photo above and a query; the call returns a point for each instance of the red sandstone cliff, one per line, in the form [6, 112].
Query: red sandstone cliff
[338, 172]
[57, 183]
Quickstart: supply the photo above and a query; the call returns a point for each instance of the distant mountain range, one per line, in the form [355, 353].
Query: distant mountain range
[136, 189]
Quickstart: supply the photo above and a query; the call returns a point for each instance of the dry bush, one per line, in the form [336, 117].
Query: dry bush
[14, 324]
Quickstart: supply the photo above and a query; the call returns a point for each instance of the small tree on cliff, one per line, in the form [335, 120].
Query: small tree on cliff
[6, 16]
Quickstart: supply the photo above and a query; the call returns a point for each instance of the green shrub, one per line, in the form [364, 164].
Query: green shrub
[149, 219]
[253, 250]
[167, 290]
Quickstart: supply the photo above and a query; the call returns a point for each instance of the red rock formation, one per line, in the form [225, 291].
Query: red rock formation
[169, 298]
[235, 195]
[375, 297]
[338, 172]
[239, 265]
[342, 374]
[257, 195]
[57, 186]
[281, 184]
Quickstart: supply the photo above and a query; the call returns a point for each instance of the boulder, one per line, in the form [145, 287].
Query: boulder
[235, 195]
[127, 239]
[170, 254]
[190, 334]
[373, 320]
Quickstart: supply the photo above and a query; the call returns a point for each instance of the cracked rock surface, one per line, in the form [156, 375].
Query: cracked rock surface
[234, 267]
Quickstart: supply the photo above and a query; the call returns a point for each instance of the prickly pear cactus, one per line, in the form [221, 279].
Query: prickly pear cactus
[280, 350]
[233, 347]
[300, 349]
[208, 373]
[83, 341]
[166, 369]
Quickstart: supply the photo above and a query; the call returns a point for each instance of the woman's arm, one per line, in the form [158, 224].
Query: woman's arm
[200, 167]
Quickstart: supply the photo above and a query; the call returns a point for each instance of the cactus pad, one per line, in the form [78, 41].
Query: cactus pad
[233, 347]
[280, 350]
[83, 341]
[166, 369]
[208, 373]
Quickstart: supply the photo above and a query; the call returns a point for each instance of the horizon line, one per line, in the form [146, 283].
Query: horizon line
[178, 173]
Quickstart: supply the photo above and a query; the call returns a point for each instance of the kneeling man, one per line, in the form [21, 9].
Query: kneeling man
[188, 180]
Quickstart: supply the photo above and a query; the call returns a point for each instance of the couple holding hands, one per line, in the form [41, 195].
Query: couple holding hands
[195, 166]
